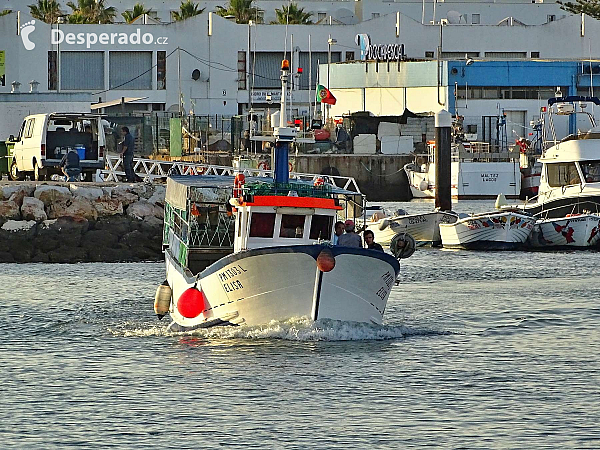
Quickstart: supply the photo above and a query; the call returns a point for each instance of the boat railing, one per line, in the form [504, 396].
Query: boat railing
[152, 169]
[205, 226]
[285, 189]
[483, 152]
[576, 209]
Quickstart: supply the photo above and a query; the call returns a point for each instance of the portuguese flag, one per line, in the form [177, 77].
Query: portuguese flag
[324, 95]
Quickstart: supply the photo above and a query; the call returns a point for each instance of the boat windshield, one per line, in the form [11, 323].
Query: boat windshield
[562, 174]
[591, 171]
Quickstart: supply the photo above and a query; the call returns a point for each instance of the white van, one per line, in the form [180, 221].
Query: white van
[45, 138]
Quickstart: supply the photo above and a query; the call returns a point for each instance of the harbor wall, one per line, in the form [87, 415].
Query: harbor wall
[80, 222]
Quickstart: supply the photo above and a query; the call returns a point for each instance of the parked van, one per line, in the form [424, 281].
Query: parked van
[45, 138]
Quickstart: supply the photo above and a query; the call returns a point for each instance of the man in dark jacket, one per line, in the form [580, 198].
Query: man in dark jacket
[69, 165]
[126, 153]
[370, 241]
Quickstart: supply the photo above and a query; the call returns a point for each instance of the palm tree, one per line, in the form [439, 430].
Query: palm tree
[242, 10]
[46, 10]
[138, 10]
[187, 10]
[91, 11]
[293, 15]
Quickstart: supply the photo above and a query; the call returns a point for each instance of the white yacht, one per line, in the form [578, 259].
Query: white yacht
[570, 178]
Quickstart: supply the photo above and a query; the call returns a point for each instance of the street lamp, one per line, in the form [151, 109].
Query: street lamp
[330, 42]
[59, 20]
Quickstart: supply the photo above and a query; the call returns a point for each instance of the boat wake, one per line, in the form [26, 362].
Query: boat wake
[299, 329]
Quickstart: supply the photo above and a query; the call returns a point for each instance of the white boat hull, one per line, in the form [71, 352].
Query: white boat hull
[277, 283]
[495, 231]
[470, 180]
[424, 228]
[579, 231]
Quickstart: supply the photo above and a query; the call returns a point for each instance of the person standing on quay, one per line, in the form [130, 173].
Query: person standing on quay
[126, 153]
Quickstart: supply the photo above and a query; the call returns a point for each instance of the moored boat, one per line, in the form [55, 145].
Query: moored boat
[578, 231]
[424, 228]
[570, 174]
[503, 230]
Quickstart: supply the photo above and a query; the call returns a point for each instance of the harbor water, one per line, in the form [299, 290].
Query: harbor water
[478, 350]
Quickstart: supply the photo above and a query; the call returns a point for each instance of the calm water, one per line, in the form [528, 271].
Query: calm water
[479, 350]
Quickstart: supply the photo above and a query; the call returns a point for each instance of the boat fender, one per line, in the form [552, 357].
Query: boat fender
[162, 299]
[192, 302]
[384, 224]
[403, 245]
[423, 185]
[325, 260]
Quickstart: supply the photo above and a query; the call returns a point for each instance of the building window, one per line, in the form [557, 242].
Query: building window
[161, 70]
[52, 72]
[460, 55]
[506, 55]
[292, 226]
[321, 16]
[374, 15]
[349, 56]
[507, 93]
[81, 70]
[262, 225]
[429, 54]
[535, 54]
[551, 18]
[130, 70]
[241, 68]
[320, 227]
[475, 19]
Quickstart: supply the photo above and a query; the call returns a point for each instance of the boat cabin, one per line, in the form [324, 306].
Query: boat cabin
[278, 220]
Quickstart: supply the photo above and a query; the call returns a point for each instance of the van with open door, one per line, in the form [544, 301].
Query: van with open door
[45, 138]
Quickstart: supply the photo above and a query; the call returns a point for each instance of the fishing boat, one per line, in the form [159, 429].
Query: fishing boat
[577, 231]
[502, 230]
[570, 175]
[424, 228]
[283, 264]
[478, 170]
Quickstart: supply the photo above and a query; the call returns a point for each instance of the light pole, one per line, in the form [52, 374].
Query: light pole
[59, 20]
[330, 42]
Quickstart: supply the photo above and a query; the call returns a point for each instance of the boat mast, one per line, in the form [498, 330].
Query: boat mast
[283, 134]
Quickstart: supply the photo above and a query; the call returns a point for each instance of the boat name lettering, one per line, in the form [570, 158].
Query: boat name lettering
[234, 285]
[231, 272]
[388, 279]
[417, 219]
[448, 219]
[492, 177]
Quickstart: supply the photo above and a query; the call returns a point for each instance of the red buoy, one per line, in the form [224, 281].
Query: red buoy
[191, 303]
[325, 260]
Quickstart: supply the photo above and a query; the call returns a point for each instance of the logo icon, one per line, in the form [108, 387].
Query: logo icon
[363, 41]
[25, 31]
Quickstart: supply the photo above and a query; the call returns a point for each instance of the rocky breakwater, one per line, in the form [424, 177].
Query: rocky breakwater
[67, 223]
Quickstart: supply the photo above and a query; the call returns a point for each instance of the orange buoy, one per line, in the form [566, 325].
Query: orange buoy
[191, 303]
[325, 260]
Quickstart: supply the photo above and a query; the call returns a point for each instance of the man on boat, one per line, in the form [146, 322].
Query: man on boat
[350, 238]
[370, 241]
[338, 231]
